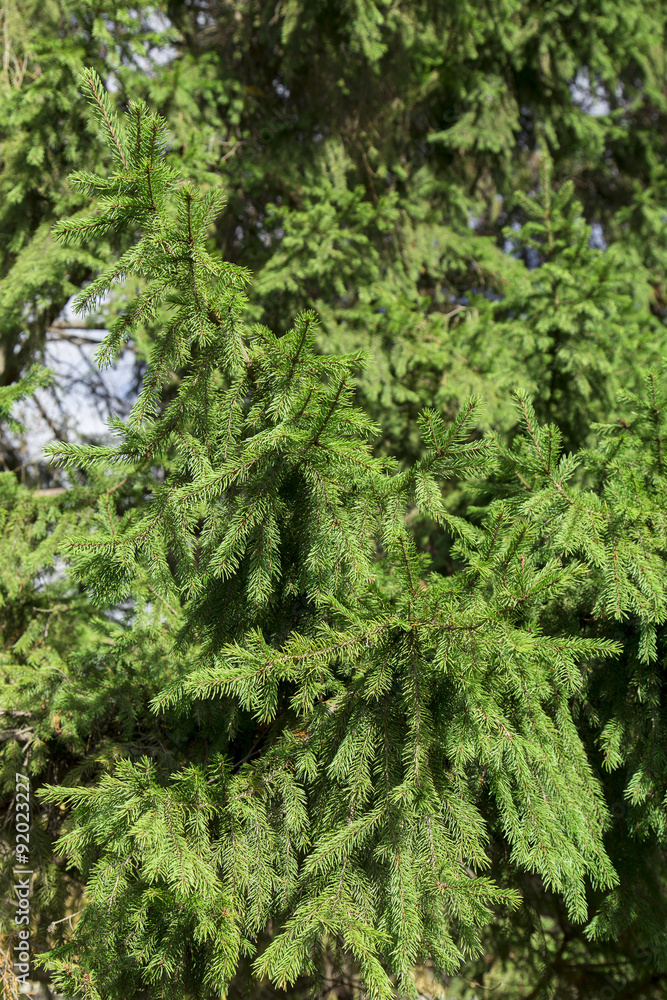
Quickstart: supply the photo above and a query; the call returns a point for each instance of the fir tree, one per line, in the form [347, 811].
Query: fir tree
[576, 320]
[603, 512]
[389, 136]
[358, 205]
[73, 695]
[378, 719]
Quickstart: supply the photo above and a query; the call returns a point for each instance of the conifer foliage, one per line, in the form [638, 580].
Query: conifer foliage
[574, 323]
[376, 723]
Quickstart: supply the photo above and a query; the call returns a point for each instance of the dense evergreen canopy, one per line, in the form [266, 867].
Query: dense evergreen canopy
[350, 675]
